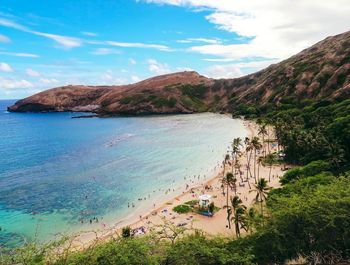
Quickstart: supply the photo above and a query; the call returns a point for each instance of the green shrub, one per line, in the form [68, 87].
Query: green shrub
[125, 251]
[194, 91]
[198, 249]
[126, 231]
[125, 100]
[290, 175]
[134, 99]
[182, 208]
[315, 167]
[171, 102]
[311, 208]
[192, 202]
[310, 169]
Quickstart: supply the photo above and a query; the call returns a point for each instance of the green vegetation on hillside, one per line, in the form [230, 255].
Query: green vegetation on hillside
[308, 131]
[193, 95]
[156, 101]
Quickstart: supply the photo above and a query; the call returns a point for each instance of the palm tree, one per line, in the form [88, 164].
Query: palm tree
[251, 218]
[229, 181]
[336, 156]
[257, 146]
[229, 213]
[260, 160]
[278, 127]
[238, 168]
[238, 210]
[248, 149]
[270, 158]
[240, 220]
[227, 158]
[236, 202]
[261, 190]
[236, 146]
[263, 132]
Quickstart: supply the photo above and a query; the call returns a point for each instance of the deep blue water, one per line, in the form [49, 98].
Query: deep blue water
[56, 172]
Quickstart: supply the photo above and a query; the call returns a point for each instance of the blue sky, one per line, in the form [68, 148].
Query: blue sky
[44, 44]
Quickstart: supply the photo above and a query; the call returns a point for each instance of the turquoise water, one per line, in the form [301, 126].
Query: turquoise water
[56, 173]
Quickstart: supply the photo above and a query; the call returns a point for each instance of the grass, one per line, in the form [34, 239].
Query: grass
[156, 101]
[182, 208]
[191, 203]
[194, 91]
[191, 206]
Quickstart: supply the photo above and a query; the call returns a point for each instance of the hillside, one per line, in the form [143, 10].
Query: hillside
[161, 94]
[321, 71]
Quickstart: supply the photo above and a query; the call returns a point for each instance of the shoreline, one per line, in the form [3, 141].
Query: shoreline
[157, 216]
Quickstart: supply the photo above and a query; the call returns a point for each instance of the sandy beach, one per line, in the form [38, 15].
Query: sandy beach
[217, 225]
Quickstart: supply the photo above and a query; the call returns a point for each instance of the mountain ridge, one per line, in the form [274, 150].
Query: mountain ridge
[321, 71]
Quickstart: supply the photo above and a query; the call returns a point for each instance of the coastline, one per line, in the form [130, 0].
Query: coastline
[150, 217]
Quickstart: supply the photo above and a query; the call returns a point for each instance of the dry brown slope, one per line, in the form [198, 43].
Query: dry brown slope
[321, 71]
[161, 94]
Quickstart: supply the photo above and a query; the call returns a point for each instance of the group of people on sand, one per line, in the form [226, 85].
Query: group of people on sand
[91, 220]
[95, 219]
[167, 191]
[132, 205]
[208, 188]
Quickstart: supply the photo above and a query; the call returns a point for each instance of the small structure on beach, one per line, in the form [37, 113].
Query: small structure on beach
[204, 200]
[281, 155]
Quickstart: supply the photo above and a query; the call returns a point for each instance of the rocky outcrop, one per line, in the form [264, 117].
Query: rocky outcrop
[321, 71]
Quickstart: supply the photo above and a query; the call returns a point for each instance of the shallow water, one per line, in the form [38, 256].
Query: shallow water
[57, 172]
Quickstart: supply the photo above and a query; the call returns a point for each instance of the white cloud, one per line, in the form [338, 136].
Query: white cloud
[157, 67]
[90, 34]
[138, 45]
[32, 73]
[4, 67]
[205, 40]
[48, 81]
[277, 29]
[108, 78]
[105, 51]
[11, 83]
[135, 78]
[11, 24]
[20, 54]
[4, 38]
[73, 42]
[237, 69]
[132, 61]
[223, 71]
[65, 41]
[255, 64]
[219, 60]
[181, 69]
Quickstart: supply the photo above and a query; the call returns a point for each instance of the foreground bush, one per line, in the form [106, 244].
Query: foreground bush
[123, 251]
[311, 169]
[309, 218]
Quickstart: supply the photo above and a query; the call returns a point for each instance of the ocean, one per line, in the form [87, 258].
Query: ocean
[57, 173]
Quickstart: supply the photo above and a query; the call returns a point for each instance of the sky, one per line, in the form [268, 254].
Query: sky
[45, 44]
